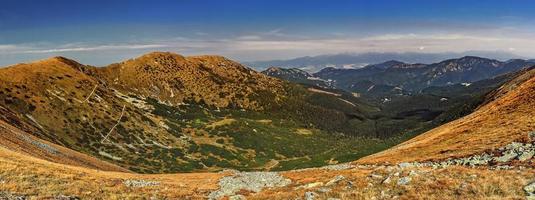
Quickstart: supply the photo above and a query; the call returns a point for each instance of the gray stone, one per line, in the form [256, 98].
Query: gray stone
[251, 181]
[324, 190]
[237, 197]
[11, 196]
[387, 180]
[335, 180]
[526, 155]
[65, 197]
[506, 157]
[530, 189]
[310, 195]
[531, 136]
[404, 180]
[140, 183]
[338, 166]
[375, 176]
[349, 185]
[405, 165]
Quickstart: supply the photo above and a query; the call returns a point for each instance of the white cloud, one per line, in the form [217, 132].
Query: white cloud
[96, 48]
[274, 44]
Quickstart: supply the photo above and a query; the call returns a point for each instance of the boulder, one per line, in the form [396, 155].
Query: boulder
[310, 195]
[404, 180]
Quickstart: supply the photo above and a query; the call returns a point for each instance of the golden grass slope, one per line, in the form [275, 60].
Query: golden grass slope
[39, 179]
[510, 117]
[16, 140]
[173, 78]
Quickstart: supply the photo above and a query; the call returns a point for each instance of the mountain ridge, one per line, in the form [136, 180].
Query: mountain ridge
[313, 64]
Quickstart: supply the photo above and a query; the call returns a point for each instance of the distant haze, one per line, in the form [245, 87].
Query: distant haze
[354, 60]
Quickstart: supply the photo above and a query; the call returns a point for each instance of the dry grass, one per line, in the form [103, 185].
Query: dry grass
[449, 183]
[42, 179]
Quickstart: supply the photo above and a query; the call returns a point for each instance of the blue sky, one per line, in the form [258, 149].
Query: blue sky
[100, 32]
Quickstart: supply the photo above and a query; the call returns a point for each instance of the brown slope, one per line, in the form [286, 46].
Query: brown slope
[175, 79]
[40, 179]
[14, 139]
[510, 117]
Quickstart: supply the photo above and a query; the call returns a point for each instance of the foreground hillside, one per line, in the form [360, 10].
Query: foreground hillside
[23, 177]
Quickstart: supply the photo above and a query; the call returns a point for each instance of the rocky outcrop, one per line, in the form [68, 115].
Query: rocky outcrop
[249, 181]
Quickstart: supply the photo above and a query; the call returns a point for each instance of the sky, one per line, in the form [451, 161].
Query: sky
[101, 32]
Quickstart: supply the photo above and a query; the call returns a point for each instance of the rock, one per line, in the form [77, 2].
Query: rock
[375, 176]
[404, 180]
[335, 180]
[237, 197]
[324, 190]
[385, 195]
[250, 181]
[506, 157]
[503, 167]
[310, 185]
[349, 185]
[140, 183]
[65, 197]
[10, 196]
[514, 145]
[330, 198]
[526, 155]
[531, 136]
[530, 189]
[397, 174]
[413, 173]
[338, 166]
[405, 165]
[310, 195]
[387, 180]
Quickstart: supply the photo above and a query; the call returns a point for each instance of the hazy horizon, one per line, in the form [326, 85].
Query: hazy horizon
[110, 31]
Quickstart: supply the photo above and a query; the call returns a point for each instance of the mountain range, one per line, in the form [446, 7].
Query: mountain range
[400, 76]
[313, 64]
